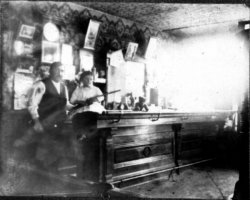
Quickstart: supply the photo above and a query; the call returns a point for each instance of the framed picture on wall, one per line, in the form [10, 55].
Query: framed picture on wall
[131, 51]
[91, 35]
[27, 31]
[50, 52]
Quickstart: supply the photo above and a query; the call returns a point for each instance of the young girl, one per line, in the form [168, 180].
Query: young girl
[86, 93]
[84, 123]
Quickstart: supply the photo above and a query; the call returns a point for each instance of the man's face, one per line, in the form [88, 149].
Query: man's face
[57, 73]
[88, 81]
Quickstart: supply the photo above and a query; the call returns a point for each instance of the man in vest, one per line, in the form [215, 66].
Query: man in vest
[47, 106]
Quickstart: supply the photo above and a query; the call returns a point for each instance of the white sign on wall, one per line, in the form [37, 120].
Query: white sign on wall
[50, 52]
[86, 60]
[151, 49]
[135, 78]
[116, 58]
[67, 54]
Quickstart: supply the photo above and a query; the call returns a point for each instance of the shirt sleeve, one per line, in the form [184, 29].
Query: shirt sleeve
[74, 96]
[36, 94]
[99, 92]
[68, 105]
[66, 93]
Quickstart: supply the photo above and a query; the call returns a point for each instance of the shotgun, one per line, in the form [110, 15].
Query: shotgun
[85, 103]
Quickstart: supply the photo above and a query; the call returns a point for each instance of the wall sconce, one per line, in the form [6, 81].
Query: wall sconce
[51, 32]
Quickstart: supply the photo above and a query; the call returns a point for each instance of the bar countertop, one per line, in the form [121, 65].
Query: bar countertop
[123, 118]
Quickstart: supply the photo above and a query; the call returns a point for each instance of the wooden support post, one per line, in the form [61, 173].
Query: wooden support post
[109, 157]
[176, 128]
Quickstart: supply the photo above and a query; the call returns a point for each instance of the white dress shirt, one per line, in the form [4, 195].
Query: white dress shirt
[82, 94]
[57, 86]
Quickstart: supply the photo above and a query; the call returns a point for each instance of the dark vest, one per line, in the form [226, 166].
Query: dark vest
[52, 108]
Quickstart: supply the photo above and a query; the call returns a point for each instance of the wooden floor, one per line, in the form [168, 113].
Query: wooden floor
[197, 182]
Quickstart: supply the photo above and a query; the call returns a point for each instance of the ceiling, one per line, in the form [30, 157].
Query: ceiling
[167, 16]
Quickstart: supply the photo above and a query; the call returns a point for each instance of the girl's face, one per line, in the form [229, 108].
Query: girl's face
[88, 81]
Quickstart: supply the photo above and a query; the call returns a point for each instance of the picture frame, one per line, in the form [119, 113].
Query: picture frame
[92, 34]
[131, 51]
[27, 31]
[50, 52]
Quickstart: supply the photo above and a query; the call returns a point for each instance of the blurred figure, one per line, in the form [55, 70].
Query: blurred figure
[47, 107]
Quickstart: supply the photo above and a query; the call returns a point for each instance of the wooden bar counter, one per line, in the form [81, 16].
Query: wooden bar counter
[135, 145]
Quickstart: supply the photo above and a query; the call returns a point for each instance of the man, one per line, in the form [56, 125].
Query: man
[47, 106]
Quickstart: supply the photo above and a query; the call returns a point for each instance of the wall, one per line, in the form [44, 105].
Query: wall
[72, 20]
[204, 68]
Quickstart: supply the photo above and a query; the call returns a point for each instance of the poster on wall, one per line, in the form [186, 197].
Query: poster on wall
[116, 81]
[91, 35]
[152, 48]
[116, 58]
[50, 52]
[124, 78]
[135, 75]
[69, 72]
[67, 54]
[67, 61]
[23, 82]
[86, 60]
